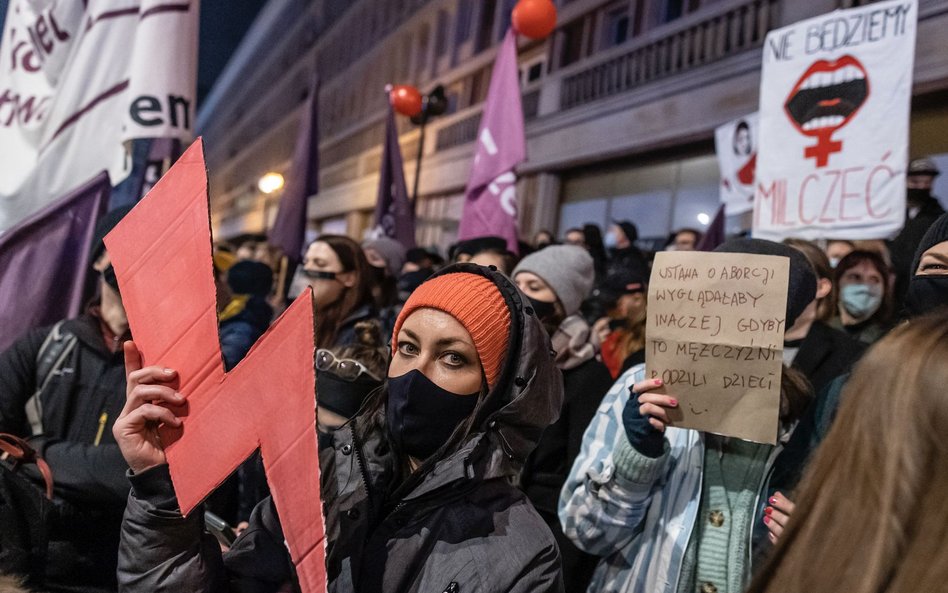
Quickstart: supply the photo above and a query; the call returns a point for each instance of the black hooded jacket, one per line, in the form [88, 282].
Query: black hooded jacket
[455, 525]
[79, 406]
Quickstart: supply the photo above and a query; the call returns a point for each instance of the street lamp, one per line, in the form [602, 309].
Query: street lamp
[270, 183]
[433, 105]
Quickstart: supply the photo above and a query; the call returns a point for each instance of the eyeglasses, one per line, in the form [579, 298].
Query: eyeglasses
[345, 368]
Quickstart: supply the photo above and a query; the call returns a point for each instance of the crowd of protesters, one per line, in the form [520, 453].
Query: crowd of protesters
[485, 424]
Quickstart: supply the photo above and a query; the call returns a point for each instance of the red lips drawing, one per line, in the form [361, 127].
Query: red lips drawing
[826, 98]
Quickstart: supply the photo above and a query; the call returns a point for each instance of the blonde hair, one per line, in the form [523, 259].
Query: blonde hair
[872, 512]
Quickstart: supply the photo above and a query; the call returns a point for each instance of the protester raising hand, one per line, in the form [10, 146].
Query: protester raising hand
[645, 417]
[151, 397]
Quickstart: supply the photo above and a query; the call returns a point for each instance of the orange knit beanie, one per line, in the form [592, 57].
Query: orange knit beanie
[476, 302]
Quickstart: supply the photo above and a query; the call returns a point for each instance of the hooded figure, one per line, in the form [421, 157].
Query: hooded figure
[397, 522]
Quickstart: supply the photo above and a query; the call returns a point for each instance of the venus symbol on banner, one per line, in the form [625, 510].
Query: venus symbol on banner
[162, 257]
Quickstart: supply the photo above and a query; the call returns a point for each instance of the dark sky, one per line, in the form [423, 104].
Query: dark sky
[223, 25]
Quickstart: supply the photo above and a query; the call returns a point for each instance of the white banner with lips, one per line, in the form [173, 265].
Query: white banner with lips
[834, 121]
[78, 80]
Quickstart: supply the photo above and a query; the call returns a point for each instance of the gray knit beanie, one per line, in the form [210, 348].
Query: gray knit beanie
[392, 252]
[568, 270]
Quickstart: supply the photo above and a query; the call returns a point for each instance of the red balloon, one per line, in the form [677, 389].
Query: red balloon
[406, 100]
[535, 19]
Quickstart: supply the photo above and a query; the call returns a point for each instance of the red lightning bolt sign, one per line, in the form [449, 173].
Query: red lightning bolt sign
[162, 256]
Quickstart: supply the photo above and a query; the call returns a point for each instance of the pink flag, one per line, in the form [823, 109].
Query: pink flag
[490, 205]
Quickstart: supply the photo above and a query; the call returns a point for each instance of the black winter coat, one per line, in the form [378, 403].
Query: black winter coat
[548, 467]
[826, 353]
[456, 524]
[79, 407]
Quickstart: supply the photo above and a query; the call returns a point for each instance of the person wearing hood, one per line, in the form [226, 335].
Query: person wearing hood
[624, 256]
[922, 209]
[61, 388]
[674, 510]
[248, 314]
[386, 259]
[556, 280]
[471, 387]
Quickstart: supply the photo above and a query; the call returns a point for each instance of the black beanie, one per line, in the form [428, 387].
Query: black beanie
[631, 231]
[103, 228]
[802, 285]
[250, 277]
[937, 233]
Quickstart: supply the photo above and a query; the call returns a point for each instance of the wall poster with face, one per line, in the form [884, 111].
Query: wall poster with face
[736, 146]
[834, 121]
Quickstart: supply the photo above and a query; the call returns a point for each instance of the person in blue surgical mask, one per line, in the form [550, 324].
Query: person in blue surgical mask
[865, 296]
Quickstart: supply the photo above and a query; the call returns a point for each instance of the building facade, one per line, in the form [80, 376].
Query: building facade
[621, 103]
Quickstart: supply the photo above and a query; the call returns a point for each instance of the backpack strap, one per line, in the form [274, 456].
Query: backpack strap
[50, 359]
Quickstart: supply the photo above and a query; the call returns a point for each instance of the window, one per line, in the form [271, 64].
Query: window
[615, 26]
[571, 46]
[531, 70]
[505, 18]
[422, 51]
[465, 15]
[441, 34]
[485, 25]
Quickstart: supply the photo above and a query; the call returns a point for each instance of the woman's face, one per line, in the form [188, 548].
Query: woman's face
[534, 287]
[321, 258]
[863, 273]
[437, 345]
[934, 261]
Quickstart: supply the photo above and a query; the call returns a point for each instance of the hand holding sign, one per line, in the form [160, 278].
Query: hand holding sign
[162, 256]
[715, 339]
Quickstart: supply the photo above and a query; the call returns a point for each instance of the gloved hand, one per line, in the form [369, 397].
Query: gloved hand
[645, 417]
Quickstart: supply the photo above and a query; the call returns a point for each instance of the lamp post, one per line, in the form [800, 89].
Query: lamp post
[433, 105]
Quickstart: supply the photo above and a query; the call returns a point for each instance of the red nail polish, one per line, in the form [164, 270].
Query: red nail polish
[769, 511]
[773, 500]
[659, 382]
[674, 402]
[767, 520]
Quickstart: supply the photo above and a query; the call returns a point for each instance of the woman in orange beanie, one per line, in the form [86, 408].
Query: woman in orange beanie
[417, 489]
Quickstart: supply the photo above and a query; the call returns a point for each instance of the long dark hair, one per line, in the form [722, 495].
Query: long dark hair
[358, 295]
[596, 247]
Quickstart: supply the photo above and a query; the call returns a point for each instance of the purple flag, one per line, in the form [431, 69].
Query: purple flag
[490, 204]
[394, 214]
[289, 228]
[45, 258]
[715, 234]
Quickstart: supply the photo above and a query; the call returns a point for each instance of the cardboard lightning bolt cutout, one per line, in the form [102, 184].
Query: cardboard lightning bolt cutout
[835, 94]
[162, 253]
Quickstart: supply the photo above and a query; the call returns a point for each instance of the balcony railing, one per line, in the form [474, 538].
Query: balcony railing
[690, 45]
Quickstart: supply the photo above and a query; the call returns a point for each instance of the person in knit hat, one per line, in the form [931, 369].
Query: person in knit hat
[386, 259]
[415, 486]
[671, 509]
[556, 280]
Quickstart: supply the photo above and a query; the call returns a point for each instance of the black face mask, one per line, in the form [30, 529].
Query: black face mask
[916, 195]
[926, 294]
[343, 397]
[378, 275]
[108, 275]
[543, 309]
[319, 275]
[421, 416]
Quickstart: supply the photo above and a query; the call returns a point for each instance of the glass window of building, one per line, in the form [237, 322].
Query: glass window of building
[615, 25]
[485, 25]
[464, 20]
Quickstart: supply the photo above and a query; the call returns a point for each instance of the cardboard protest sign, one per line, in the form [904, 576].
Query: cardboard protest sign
[736, 146]
[834, 119]
[715, 337]
[162, 257]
